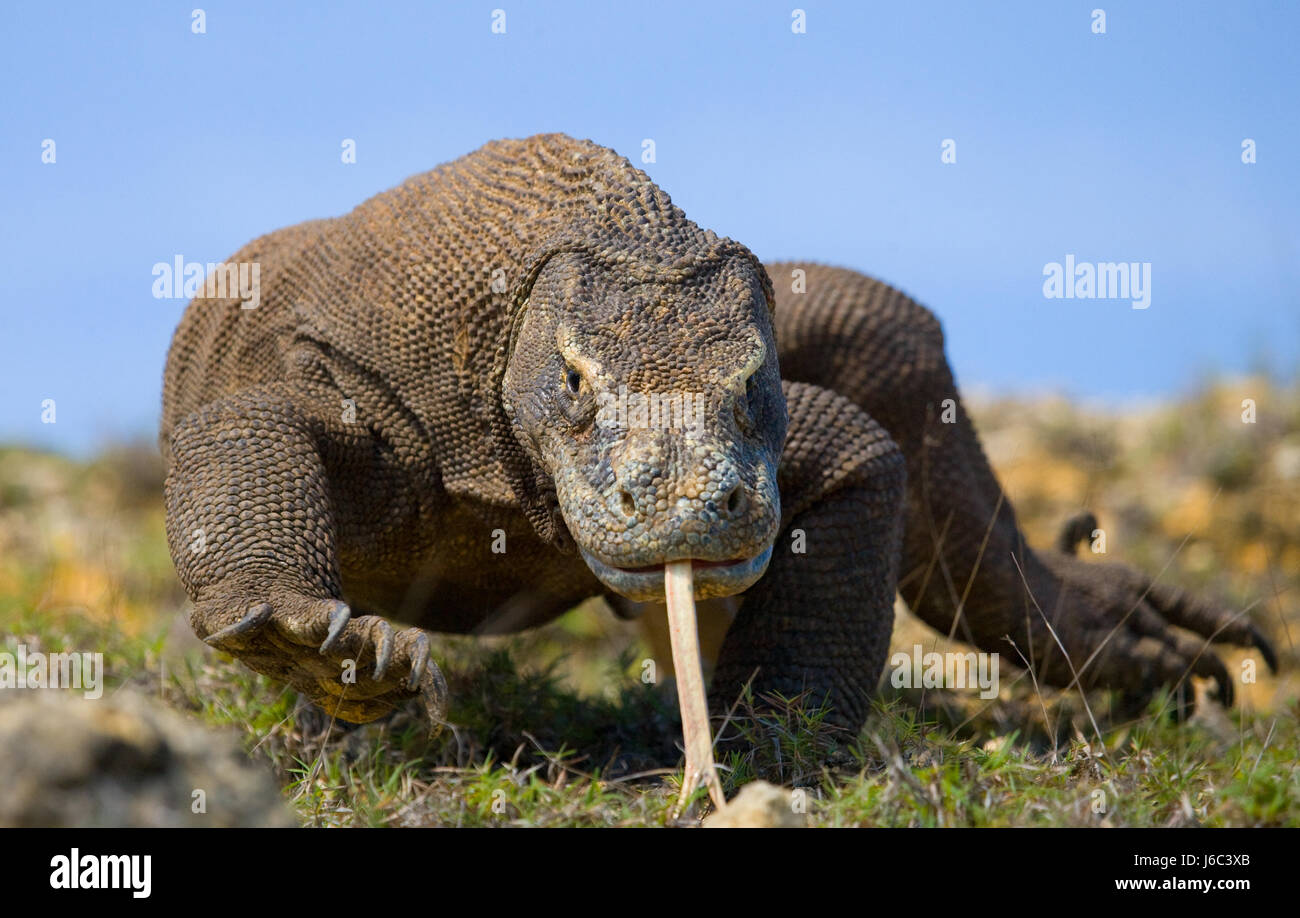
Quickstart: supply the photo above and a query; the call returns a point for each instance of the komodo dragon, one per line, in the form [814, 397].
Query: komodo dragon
[421, 387]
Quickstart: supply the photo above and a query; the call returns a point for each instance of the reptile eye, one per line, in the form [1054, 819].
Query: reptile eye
[573, 381]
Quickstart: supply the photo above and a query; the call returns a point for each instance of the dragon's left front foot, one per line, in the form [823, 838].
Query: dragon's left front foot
[1117, 626]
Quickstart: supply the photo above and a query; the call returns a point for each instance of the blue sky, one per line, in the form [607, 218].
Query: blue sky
[1117, 147]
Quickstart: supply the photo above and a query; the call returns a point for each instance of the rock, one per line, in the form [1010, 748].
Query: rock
[124, 760]
[759, 805]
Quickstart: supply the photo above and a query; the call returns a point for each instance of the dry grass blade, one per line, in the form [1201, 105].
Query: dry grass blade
[679, 590]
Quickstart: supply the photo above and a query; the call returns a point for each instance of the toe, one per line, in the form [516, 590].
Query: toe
[234, 637]
[339, 615]
[1212, 622]
[382, 636]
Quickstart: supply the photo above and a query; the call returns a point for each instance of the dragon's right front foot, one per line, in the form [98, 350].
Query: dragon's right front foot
[355, 667]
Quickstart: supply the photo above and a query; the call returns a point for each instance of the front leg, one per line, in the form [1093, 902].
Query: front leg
[819, 621]
[251, 523]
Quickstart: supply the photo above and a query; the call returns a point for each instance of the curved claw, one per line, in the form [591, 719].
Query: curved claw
[433, 695]
[254, 619]
[1078, 528]
[340, 615]
[383, 649]
[1265, 648]
[421, 654]
[1206, 663]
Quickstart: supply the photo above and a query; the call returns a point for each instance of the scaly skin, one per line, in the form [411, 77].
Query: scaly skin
[422, 386]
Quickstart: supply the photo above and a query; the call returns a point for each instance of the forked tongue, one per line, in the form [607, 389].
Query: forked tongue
[679, 588]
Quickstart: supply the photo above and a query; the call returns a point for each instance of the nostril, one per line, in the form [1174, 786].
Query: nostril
[629, 502]
[735, 500]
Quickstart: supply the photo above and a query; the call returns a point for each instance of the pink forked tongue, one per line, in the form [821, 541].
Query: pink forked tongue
[679, 590]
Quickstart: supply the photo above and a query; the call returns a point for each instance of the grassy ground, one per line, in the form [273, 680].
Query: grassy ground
[556, 727]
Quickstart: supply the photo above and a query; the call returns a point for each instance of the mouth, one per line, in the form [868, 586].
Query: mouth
[713, 579]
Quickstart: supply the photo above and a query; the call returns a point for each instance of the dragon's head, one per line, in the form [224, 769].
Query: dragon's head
[652, 400]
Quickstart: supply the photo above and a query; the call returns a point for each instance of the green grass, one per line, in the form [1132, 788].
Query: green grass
[525, 749]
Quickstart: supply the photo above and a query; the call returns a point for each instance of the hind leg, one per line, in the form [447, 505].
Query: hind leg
[966, 569]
